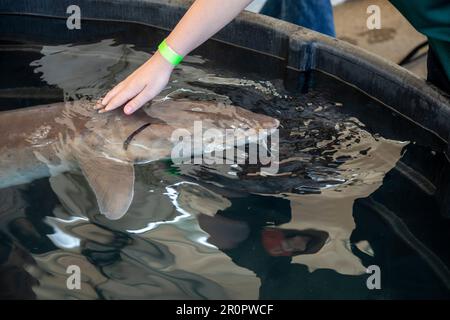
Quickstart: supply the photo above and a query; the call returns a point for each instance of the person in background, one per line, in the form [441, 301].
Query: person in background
[206, 17]
[432, 18]
[316, 15]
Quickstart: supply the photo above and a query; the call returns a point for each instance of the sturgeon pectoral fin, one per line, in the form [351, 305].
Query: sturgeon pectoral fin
[112, 183]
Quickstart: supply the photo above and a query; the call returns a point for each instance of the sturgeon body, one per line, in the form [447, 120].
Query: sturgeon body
[46, 140]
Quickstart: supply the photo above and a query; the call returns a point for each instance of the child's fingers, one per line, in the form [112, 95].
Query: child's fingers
[98, 105]
[138, 101]
[122, 97]
[111, 94]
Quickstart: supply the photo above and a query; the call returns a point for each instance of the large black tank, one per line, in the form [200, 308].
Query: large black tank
[292, 53]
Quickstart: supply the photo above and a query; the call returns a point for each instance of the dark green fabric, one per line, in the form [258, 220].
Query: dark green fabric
[432, 18]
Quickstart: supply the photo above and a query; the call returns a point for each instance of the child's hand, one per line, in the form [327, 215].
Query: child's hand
[139, 87]
[203, 19]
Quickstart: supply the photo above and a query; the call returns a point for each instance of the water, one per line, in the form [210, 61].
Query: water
[357, 187]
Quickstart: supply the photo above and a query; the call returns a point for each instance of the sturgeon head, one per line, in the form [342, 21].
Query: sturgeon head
[107, 146]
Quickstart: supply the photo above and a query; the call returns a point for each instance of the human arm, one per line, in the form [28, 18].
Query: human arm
[203, 19]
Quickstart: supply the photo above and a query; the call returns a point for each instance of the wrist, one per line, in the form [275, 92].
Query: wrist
[159, 60]
[166, 51]
[176, 46]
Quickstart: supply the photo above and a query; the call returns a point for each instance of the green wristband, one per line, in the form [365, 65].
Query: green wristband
[169, 54]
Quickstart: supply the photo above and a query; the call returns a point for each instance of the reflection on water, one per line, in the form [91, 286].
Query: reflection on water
[224, 231]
